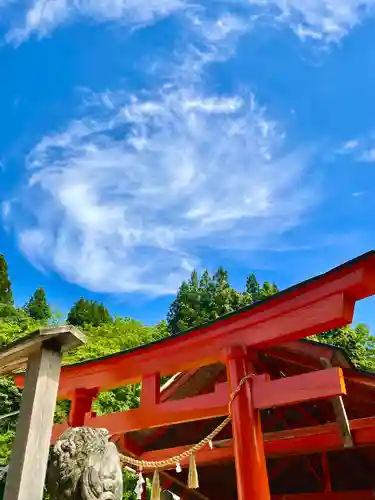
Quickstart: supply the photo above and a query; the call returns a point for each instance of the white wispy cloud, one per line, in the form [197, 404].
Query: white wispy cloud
[319, 20]
[368, 155]
[327, 20]
[127, 202]
[361, 149]
[350, 145]
[45, 15]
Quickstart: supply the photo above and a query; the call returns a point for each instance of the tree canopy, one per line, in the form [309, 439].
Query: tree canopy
[6, 296]
[37, 307]
[88, 312]
[205, 298]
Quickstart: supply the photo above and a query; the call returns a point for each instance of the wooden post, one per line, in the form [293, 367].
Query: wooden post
[340, 413]
[251, 469]
[28, 463]
[27, 468]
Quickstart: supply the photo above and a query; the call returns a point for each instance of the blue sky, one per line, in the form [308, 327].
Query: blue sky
[143, 138]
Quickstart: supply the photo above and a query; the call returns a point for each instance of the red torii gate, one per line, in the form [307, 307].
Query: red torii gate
[317, 305]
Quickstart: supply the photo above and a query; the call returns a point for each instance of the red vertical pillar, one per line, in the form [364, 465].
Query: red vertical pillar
[144, 493]
[81, 406]
[251, 468]
[326, 473]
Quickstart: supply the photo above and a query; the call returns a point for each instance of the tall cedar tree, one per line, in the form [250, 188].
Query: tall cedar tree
[37, 307]
[184, 311]
[208, 298]
[253, 287]
[6, 296]
[88, 312]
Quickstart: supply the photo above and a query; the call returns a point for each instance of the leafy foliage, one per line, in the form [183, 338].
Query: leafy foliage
[358, 343]
[207, 298]
[37, 307]
[88, 312]
[253, 287]
[6, 296]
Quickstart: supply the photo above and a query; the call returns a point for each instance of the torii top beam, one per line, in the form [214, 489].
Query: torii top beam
[319, 304]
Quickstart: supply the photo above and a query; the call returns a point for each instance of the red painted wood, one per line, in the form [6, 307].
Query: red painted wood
[321, 384]
[81, 403]
[250, 460]
[203, 457]
[169, 357]
[320, 304]
[150, 392]
[292, 442]
[164, 414]
[326, 473]
[266, 394]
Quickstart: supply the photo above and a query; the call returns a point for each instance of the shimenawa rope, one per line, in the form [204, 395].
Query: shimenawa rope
[175, 460]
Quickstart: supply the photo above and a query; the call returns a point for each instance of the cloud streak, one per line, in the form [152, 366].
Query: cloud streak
[327, 20]
[319, 20]
[361, 149]
[46, 15]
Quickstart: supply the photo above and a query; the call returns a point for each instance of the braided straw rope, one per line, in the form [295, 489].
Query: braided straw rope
[161, 464]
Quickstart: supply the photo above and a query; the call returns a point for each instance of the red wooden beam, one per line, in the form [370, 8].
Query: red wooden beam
[321, 384]
[332, 495]
[307, 355]
[159, 415]
[266, 394]
[207, 346]
[292, 442]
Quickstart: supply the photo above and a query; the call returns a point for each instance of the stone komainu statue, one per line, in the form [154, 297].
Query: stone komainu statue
[84, 465]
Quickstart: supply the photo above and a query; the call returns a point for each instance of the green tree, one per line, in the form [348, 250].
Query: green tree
[202, 299]
[88, 312]
[267, 290]
[37, 307]
[225, 298]
[252, 288]
[207, 298]
[184, 311]
[207, 308]
[357, 342]
[6, 296]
